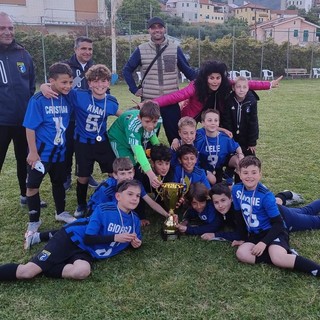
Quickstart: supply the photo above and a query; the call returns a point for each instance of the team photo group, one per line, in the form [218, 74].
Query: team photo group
[202, 175]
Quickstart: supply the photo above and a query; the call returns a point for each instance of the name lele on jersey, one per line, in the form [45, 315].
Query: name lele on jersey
[212, 148]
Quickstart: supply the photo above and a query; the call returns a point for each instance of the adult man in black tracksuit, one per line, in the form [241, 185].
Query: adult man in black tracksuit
[17, 85]
[80, 62]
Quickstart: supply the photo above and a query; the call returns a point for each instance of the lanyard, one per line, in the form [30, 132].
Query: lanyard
[98, 137]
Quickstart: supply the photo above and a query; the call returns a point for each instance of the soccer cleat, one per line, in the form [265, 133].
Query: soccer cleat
[31, 239]
[65, 217]
[80, 211]
[92, 182]
[32, 228]
[296, 199]
[67, 184]
[23, 202]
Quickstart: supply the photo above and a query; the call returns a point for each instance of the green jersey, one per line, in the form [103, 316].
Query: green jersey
[129, 139]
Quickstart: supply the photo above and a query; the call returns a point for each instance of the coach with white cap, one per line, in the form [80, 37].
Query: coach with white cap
[160, 61]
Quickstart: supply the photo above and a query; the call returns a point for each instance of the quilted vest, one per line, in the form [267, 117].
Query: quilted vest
[163, 76]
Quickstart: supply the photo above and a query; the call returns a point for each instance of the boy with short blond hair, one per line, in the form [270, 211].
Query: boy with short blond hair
[131, 132]
[241, 116]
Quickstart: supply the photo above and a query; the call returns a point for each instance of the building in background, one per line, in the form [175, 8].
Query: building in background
[296, 30]
[253, 13]
[56, 15]
[301, 4]
[193, 11]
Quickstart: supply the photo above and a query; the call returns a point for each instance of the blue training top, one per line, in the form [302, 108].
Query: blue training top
[106, 220]
[213, 151]
[257, 206]
[49, 118]
[91, 114]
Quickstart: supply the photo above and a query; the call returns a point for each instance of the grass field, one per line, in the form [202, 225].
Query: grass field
[188, 278]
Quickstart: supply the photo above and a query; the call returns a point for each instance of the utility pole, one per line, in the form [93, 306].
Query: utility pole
[115, 4]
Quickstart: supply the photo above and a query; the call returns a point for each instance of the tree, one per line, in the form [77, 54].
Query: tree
[138, 12]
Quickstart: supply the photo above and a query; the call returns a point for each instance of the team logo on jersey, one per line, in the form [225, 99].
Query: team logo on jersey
[248, 109]
[21, 67]
[44, 255]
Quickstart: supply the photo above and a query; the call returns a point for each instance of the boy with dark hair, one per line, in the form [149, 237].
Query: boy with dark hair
[131, 132]
[46, 121]
[122, 170]
[267, 240]
[215, 148]
[70, 253]
[160, 159]
[186, 171]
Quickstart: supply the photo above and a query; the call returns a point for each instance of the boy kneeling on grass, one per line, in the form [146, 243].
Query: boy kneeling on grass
[268, 239]
[70, 253]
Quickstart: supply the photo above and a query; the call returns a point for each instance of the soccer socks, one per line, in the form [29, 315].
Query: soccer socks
[284, 196]
[82, 193]
[59, 196]
[47, 235]
[308, 266]
[34, 207]
[8, 272]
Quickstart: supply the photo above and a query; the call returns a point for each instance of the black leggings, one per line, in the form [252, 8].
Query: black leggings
[18, 135]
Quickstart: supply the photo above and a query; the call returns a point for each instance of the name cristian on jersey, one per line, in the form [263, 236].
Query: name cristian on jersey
[253, 202]
[211, 148]
[117, 228]
[95, 110]
[56, 109]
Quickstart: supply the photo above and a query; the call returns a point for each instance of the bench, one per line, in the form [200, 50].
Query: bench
[296, 72]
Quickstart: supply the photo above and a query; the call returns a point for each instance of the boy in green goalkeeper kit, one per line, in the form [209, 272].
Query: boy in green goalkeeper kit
[131, 132]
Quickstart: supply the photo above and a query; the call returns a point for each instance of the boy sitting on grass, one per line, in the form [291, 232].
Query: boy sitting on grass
[160, 159]
[186, 172]
[122, 170]
[216, 149]
[267, 239]
[131, 132]
[70, 253]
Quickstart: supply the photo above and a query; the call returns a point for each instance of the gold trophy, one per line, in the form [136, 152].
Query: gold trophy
[170, 193]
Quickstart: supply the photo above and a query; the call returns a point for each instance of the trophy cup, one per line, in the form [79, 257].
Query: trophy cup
[170, 194]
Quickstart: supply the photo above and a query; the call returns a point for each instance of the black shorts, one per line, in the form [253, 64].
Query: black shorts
[57, 253]
[282, 240]
[56, 171]
[87, 154]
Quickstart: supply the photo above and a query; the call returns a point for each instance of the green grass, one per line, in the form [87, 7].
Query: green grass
[188, 278]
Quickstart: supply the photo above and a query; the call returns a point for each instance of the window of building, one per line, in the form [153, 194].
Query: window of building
[305, 35]
[182, 4]
[187, 4]
[253, 18]
[195, 5]
[196, 16]
[295, 33]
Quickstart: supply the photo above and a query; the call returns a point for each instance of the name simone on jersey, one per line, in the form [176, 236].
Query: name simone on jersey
[254, 201]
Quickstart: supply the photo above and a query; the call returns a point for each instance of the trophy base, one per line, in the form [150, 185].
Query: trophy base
[170, 236]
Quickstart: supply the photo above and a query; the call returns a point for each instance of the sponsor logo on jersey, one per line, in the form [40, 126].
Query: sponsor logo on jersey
[44, 255]
[21, 67]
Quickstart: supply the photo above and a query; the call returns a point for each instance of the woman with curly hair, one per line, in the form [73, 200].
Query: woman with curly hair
[210, 90]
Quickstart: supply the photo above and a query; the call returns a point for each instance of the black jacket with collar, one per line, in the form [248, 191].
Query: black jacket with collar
[17, 83]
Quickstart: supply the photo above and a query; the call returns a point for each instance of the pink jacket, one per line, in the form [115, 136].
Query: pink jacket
[192, 106]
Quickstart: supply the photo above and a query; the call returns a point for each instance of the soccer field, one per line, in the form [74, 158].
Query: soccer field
[187, 278]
